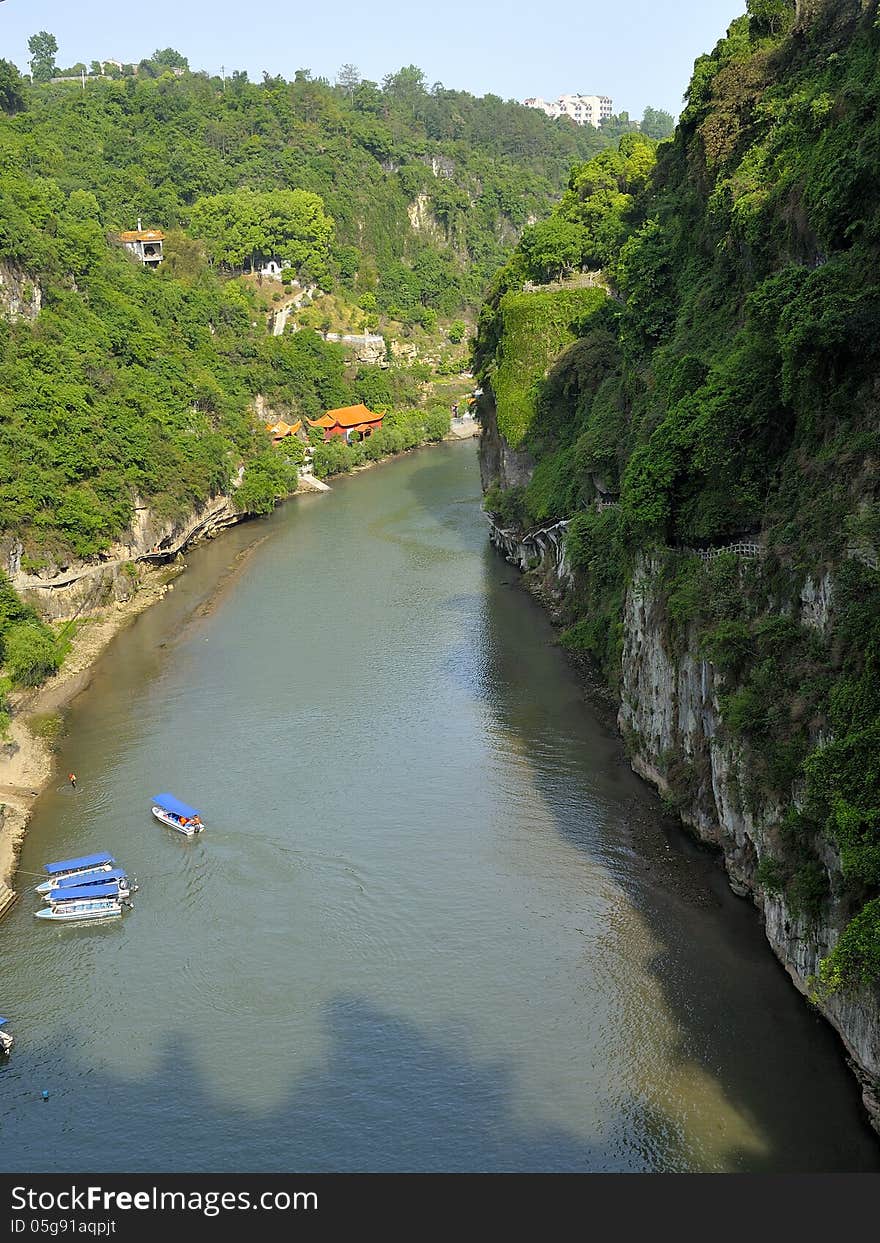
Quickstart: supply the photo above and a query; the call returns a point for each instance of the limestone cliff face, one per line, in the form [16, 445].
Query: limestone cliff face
[509, 468]
[60, 592]
[670, 718]
[20, 295]
[669, 713]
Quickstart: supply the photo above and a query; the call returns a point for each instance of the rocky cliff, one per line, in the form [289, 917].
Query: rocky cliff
[670, 719]
[703, 428]
[60, 592]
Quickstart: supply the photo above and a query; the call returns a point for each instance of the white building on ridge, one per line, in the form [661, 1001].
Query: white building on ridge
[583, 109]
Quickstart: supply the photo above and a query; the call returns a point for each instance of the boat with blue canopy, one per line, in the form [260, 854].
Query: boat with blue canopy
[177, 815]
[75, 892]
[91, 876]
[82, 909]
[114, 883]
[6, 1038]
[67, 867]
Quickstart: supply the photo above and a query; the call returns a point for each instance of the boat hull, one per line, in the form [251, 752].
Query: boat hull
[188, 830]
[59, 915]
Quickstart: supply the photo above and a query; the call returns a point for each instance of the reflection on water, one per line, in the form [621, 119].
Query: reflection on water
[434, 922]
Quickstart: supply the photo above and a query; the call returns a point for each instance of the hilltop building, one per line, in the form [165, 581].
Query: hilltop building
[274, 268]
[146, 244]
[583, 109]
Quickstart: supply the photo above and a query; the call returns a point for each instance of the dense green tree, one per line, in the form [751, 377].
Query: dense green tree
[31, 653]
[11, 88]
[657, 124]
[169, 58]
[42, 47]
[246, 226]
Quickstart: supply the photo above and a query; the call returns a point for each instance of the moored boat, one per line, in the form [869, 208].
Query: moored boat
[7, 1040]
[81, 909]
[177, 815]
[126, 885]
[102, 862]
[109, 889]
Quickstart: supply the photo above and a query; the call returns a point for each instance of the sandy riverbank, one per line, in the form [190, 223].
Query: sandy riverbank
[27, 762]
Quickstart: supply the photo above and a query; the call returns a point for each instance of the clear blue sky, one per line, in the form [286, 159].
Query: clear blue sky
[638, 51]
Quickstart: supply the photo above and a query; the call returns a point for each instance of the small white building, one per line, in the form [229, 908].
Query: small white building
[583, 109]
[272, 268]
[146, 244]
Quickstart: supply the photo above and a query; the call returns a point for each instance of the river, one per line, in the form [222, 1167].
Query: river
[434, 922]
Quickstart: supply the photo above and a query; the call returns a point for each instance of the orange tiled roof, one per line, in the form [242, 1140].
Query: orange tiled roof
[347, 416]
[142, 235]
[281, 429]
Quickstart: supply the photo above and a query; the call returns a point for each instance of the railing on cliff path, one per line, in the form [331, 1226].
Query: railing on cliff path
[525, 549]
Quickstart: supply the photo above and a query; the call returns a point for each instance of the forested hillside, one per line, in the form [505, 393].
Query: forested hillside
[122, 383]
[155, 146]
[119, 384]
[716, 384]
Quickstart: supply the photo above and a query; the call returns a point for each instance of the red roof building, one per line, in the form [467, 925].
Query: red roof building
[348, 419]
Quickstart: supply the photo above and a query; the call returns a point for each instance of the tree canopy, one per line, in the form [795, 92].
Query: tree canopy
[42, 47]
[246, 226]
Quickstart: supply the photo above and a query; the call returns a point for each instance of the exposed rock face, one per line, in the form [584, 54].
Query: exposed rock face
[20, 295]
[404, 349]
[64, 591]
[500, 464]
[669, 712]
[670, 718]
[423, 220]
[373, 352]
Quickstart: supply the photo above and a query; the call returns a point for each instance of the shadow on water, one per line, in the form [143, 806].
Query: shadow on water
[735, 1014]
[334, 1118]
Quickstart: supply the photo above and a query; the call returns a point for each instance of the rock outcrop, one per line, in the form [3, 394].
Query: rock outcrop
[60, 592]
[499, 464]
[20, 295]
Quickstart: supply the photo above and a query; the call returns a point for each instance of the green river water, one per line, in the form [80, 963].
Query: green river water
[434, 922]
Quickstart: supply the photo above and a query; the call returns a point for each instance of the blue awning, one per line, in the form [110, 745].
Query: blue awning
[90, 878]
[169, 803]
[87, 861]
[73, 893]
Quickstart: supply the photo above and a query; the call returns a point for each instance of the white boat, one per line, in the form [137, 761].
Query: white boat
[125, 885]
[177, 815]
[83, 908]
[6, 1038]
[113, 884]
[102, 862]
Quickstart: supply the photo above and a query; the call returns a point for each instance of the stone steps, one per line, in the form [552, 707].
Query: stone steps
[8, 898]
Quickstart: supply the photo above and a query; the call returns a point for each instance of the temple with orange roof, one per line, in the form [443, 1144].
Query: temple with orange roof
[279, 430]
[348, 419]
